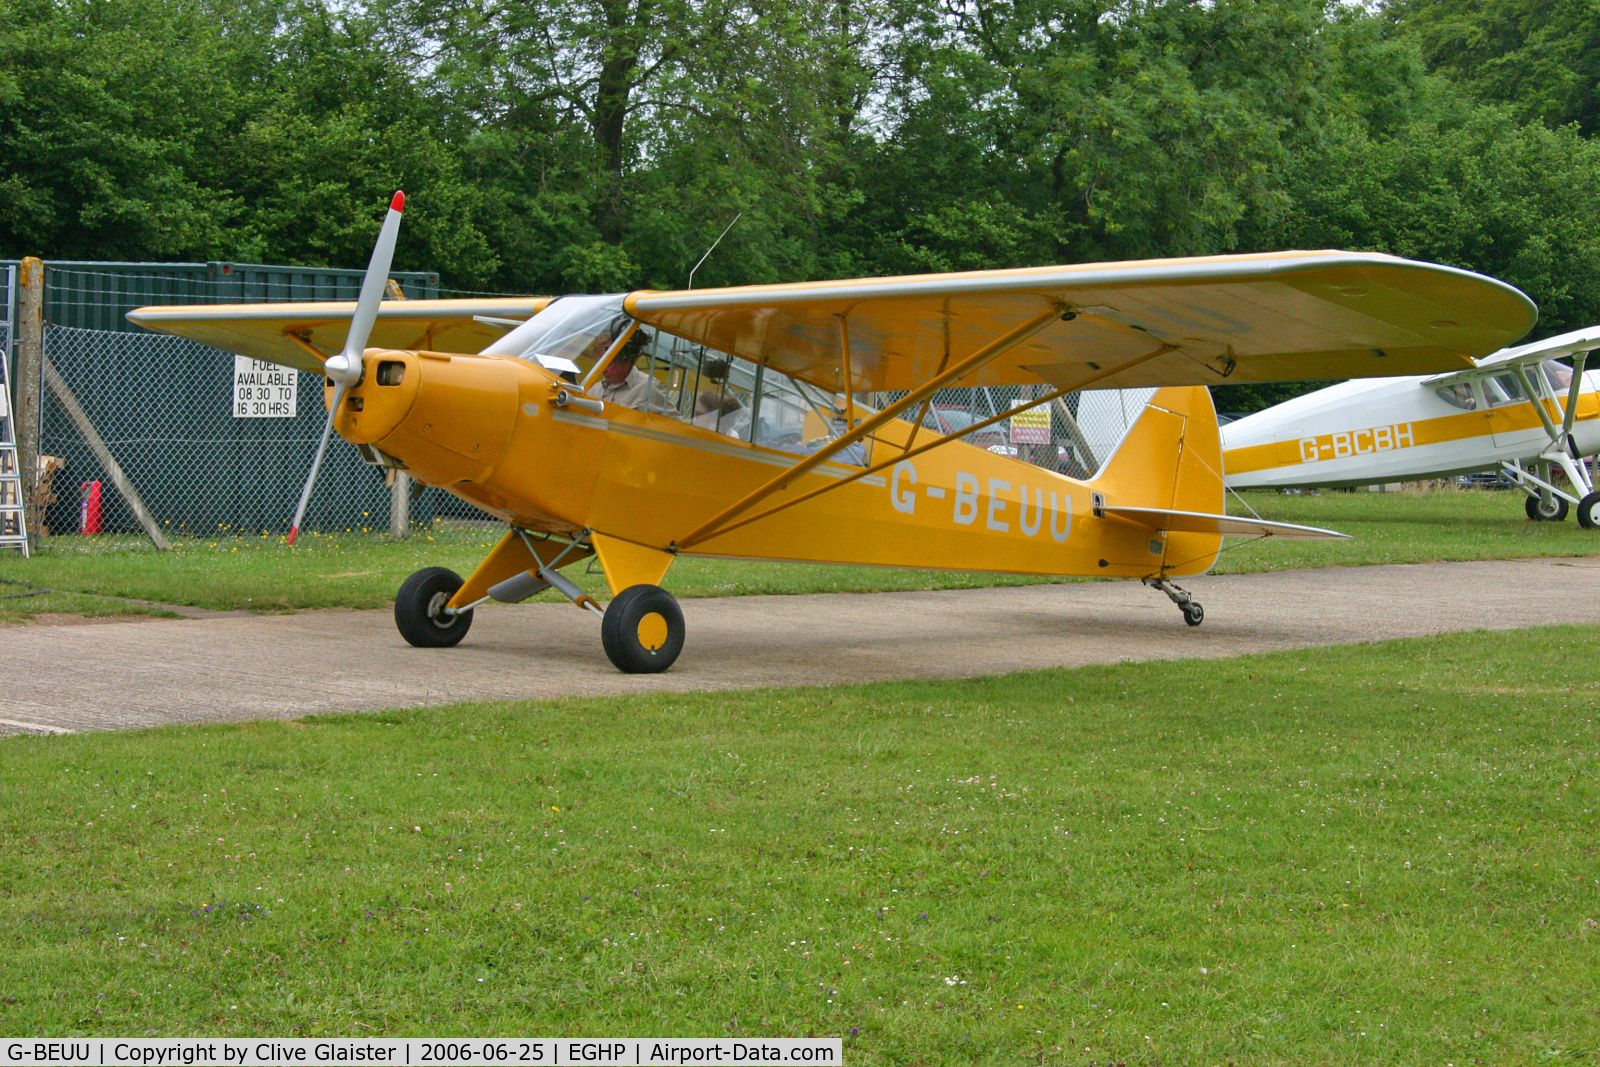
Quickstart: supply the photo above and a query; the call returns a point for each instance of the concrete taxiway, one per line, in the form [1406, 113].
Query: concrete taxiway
[126, 674]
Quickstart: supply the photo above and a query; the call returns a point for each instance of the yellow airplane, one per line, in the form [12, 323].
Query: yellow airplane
[638, 427]
[1520, 411]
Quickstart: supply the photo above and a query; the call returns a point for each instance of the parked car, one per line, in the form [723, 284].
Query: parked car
[1495, 479]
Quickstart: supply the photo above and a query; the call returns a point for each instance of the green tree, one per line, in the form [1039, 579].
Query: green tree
[1074, 130]
[615, 139]
[1541, 58]
[106, 113]
[1477, 191]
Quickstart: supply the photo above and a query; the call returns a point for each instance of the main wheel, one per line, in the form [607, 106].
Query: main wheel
[1539, 511]
[419, 609]
[642, 630]
[1193, 613]
[1589, 511]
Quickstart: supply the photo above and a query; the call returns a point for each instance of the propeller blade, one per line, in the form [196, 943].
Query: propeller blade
[316, 464]
[344, 368]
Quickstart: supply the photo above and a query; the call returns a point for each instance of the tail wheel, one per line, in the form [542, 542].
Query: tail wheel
[419, 609]
[1539, 511]
[642, 630]
[1193, 613]
[1589, 511]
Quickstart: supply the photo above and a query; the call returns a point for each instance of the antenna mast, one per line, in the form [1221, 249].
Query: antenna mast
[713, 248]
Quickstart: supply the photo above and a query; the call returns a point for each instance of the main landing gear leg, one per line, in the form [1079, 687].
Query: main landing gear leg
[641, 629]
[1193, 613]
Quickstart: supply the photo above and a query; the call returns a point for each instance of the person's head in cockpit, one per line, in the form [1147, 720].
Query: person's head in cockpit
[621, 364]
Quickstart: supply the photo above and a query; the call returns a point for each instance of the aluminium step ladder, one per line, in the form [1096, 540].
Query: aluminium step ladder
[13, 523]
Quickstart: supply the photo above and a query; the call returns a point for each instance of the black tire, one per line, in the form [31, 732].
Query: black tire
[1589, 511]
[1536, 509]
[417, 609]
[1193, 613]
[642, 630]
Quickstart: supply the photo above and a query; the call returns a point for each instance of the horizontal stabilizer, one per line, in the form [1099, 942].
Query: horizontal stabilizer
[1228, 525]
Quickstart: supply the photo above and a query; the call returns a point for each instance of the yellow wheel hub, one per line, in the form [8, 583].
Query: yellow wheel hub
[652, 631]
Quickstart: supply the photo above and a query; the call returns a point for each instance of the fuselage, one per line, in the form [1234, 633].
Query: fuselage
[487, 429]
[1378, 430]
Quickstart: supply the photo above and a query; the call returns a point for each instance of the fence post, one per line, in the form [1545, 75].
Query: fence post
[30, 372]
[108, 462]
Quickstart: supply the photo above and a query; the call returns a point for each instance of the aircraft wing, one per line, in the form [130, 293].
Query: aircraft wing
[1228, 525]
[1557, 347]
[1251, 318]
[268, 331]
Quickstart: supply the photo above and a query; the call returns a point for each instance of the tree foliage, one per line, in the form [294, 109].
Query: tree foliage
[1539, 57]
[584, 145]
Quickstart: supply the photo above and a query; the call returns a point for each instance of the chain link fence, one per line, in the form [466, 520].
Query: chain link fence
[207, 455]
[165, 409]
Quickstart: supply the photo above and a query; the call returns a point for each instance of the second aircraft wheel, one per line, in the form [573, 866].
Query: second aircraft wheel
[1539, 511]
[642, 630]
[1589, 511]
[1193, 613]
[419, 609]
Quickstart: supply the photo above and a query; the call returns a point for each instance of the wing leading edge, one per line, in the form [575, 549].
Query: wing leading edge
[270, 331]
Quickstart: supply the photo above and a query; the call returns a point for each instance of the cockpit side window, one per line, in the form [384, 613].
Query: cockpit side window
[1502, 389]
[741, 399]
[1459, 395]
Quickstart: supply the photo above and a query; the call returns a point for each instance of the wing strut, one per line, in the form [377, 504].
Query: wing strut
[1537, 403]
[1576, 387]
[983, 355]
[908, 453]
[944, 361]
[849, 378]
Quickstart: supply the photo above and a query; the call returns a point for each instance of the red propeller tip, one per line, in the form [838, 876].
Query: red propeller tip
[398, 203]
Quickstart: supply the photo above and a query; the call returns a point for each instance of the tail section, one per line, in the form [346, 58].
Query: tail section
[1171, 461]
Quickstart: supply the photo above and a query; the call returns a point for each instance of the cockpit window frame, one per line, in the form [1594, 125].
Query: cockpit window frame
[580, 317]
[1448, 393]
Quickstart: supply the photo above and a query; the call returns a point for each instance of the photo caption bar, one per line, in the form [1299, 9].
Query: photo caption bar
[423, 1052]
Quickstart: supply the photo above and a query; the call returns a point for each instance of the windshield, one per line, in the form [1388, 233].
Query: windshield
[579, 328]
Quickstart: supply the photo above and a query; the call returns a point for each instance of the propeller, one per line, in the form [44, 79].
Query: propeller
[344, 369]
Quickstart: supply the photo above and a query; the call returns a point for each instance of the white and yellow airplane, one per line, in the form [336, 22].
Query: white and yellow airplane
[738, 430]
[1520, 411]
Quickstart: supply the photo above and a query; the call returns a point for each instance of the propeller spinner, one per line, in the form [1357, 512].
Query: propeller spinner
[344, 369]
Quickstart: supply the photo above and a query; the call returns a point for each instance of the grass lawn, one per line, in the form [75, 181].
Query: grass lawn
[96, 576]
[1415, 526]
[1382, 853]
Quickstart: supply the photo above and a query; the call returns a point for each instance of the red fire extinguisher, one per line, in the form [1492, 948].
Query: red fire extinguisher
[89, 509]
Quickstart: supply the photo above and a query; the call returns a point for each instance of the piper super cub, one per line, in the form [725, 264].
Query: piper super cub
[638, 427]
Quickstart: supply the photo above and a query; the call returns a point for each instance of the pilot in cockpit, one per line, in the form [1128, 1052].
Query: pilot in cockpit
[625, 384]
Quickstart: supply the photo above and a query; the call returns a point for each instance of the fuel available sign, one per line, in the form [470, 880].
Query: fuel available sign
[263, 390]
